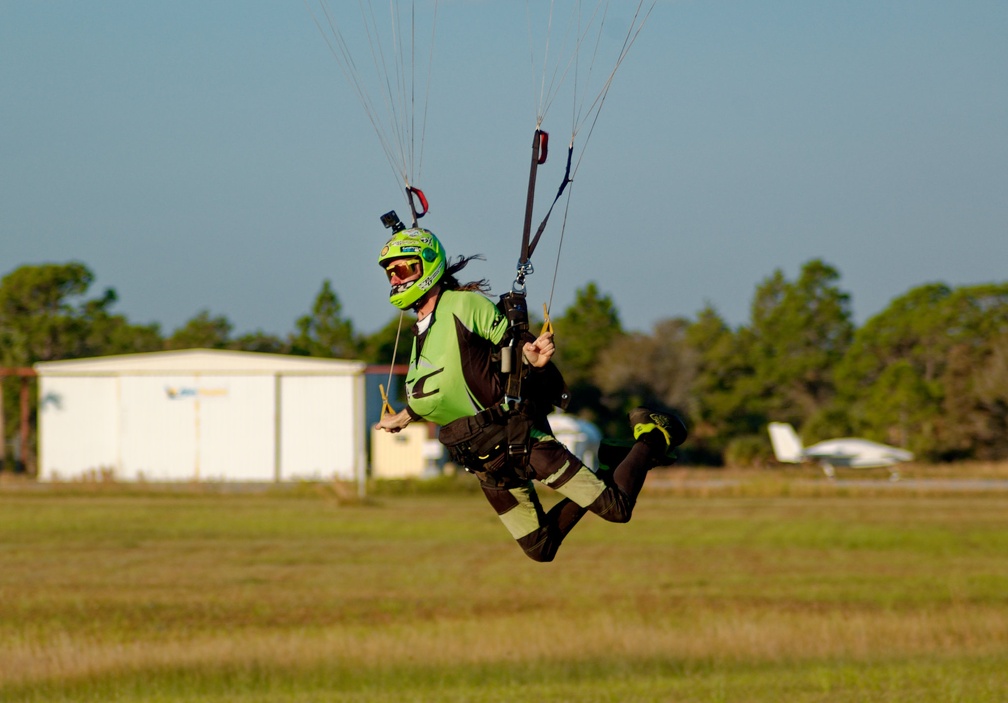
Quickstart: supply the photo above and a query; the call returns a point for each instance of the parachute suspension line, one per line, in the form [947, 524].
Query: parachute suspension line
[339, 48]
[538, 103]
[556, 264]
[578, 107]
[541, 139]
[557, 72]
[412, 87]
[587, 27]
[397, 124]
[404, 82]
[415, 162]
[595, 108]
[580, 116]
[548, 91]
[426, 102]
[395, 83]
[401, 99]
[396, 129]
[575, 60]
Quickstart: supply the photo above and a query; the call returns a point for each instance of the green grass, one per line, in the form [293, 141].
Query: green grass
[768, 592]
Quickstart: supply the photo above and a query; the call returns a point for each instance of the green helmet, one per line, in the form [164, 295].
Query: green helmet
[424, 247]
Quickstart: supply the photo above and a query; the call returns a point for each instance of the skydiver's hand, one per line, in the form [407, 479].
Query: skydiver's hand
[394, 423]
[539, 352]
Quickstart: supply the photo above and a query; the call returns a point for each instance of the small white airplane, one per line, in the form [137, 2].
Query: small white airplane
[848, 452]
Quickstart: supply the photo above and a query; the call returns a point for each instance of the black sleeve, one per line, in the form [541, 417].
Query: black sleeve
[547, 388]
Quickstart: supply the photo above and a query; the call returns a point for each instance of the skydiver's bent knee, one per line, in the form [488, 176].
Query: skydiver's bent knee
[522, 514]
[540, 546]
[613, 505]
[562, 471]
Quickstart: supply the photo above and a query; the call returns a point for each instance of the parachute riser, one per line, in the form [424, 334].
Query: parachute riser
[540, 148]
[540, 144]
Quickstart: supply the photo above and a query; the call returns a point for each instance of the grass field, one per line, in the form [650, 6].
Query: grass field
[748, 590]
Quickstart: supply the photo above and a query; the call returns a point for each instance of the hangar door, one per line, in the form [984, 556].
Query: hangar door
[197, 427]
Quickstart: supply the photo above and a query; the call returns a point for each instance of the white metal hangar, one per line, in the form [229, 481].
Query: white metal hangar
[201, 415]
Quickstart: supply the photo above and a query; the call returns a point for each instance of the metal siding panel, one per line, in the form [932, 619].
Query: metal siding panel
[159, 428]
[186, 428]
[236, 428]
[318, 426]
[77, 427]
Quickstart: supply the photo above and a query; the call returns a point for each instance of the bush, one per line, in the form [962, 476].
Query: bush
[749, 451]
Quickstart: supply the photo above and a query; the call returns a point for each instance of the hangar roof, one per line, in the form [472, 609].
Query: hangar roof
[200, 361]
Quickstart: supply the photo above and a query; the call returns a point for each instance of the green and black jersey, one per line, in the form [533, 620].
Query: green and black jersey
[452, 372]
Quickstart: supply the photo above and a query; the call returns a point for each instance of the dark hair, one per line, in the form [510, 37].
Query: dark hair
[450, 282]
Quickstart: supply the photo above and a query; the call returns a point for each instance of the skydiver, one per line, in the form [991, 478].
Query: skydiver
[454, 380]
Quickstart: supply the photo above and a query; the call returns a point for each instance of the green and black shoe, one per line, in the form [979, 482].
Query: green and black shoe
[613, 451]
[672, 428]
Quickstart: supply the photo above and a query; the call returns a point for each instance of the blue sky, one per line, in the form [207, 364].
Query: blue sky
[211, 155]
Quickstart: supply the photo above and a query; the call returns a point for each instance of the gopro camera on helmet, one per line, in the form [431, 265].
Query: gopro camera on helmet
[391, 220]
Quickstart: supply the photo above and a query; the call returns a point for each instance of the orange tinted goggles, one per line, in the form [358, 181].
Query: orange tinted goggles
[404, 269]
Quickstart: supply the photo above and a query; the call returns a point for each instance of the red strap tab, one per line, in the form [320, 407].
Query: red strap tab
[411, 191]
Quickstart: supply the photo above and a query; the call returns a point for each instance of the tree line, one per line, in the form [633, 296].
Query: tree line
[928, 373]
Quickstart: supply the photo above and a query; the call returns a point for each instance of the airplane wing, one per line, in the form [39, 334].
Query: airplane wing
[857, 453]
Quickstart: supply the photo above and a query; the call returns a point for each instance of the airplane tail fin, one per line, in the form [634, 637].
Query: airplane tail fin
[787, 446]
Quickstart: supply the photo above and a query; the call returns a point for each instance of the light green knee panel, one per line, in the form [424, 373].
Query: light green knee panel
[521, 520]
[583, 488]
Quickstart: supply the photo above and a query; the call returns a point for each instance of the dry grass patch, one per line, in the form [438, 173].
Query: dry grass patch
[103, 587]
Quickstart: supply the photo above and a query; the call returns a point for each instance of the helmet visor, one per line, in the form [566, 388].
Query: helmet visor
[404, 269]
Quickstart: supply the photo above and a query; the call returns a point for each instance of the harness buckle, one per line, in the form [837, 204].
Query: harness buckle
[522, 269]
